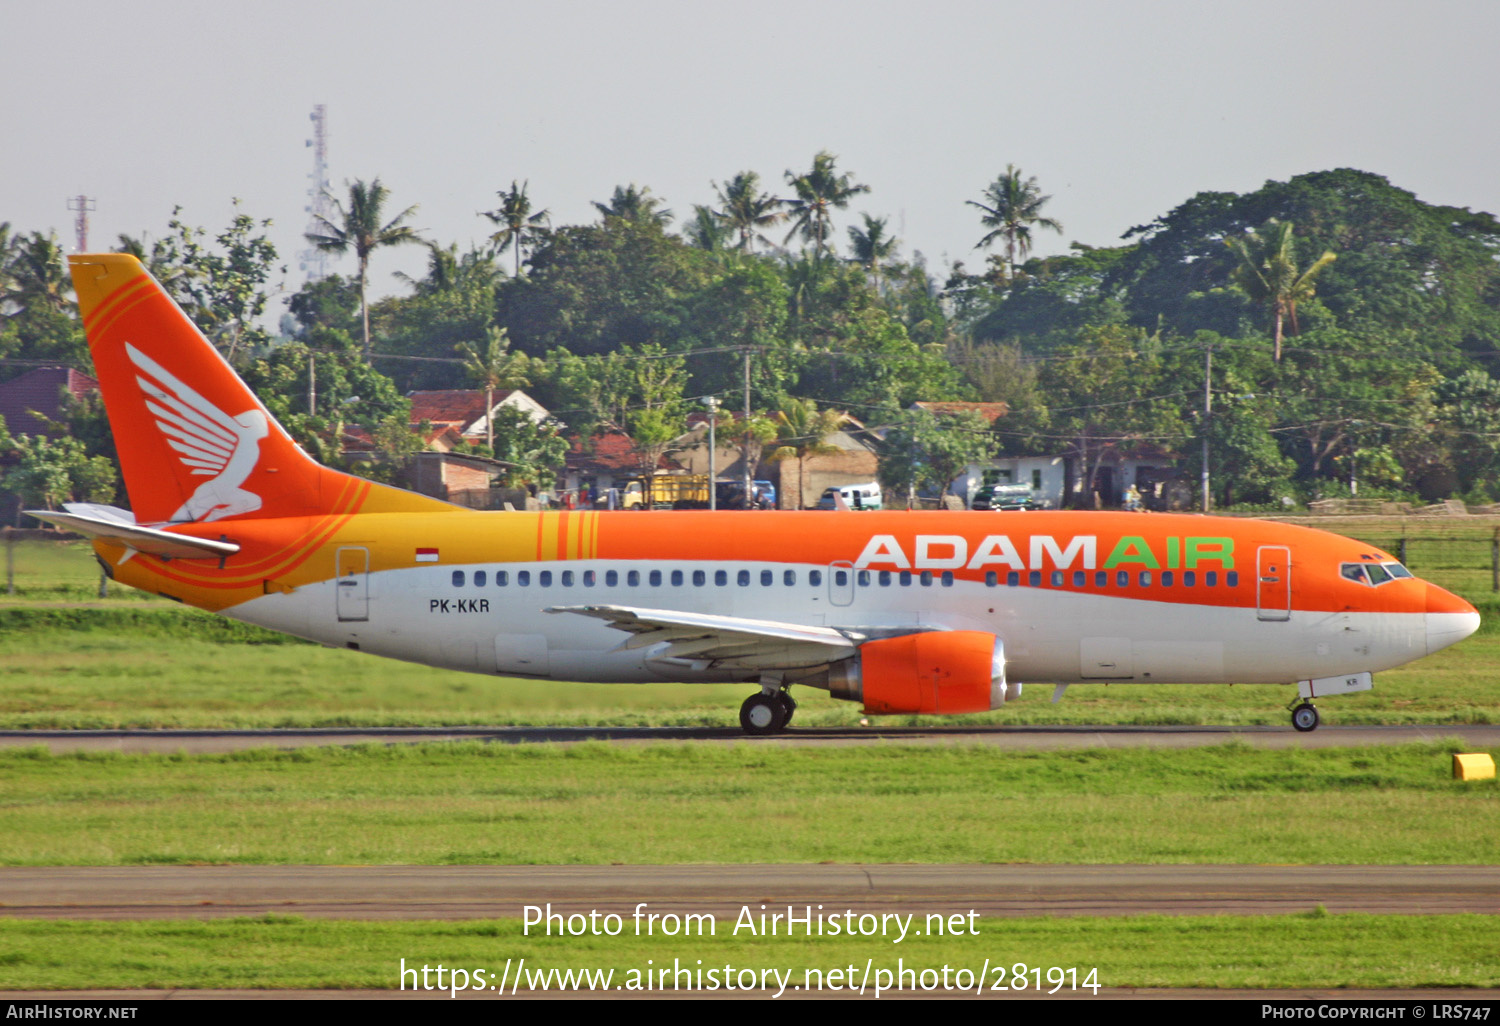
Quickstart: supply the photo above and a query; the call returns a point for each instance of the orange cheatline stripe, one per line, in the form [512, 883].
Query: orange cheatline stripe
[114, 298]
[541, 517]
[282, 561]
[129, 297]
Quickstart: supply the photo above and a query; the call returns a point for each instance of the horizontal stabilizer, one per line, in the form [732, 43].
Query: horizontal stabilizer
[118, 527]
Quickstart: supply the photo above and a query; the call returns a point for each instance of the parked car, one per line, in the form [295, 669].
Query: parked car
[1004, 497]
[856, 496]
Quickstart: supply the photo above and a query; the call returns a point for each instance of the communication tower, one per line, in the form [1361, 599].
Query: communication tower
[312, 260]
[82, 205]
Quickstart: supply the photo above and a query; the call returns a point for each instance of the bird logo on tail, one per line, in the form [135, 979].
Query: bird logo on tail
[208, 441]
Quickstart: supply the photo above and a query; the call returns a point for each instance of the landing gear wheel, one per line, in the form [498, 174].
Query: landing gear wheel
[762, 714]
[788, 707]
[1305, 717]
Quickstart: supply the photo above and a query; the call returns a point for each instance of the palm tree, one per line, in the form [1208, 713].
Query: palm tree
[362, 227]
[803, 430]
[819, 192]
[494, 367]
[1267, 272]
[635, 204]
[872, 245]
[37, 272]
[746, 210]
[518, 225]
[707, 230]
[1011, 208]
[449, 272]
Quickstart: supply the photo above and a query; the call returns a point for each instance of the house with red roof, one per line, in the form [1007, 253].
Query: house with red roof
[41, 391]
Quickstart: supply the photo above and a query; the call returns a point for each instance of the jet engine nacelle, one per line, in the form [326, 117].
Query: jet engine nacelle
[932, 672]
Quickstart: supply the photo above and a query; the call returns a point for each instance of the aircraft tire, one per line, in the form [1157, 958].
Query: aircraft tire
[762, 714]
[1305, 717]
[788, 707]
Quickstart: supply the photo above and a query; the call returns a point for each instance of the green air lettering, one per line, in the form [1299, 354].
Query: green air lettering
[1220, 550]
[1132, 549]
[1174, 553]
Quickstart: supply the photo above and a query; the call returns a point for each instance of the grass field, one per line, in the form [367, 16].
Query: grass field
[155, 664]
[1310, 950]
[597, 803]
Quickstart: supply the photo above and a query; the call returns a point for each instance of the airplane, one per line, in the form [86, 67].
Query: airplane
[937, 612]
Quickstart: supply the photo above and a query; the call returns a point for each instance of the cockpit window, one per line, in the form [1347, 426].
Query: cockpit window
[1373, 574]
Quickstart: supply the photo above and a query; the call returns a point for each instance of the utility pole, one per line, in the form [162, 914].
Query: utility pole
[712, 402]
[1208, 412]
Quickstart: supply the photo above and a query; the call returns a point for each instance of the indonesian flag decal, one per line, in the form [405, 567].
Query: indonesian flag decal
[427, 555]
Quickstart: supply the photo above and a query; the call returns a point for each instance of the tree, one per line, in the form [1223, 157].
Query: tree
[871, 245]
[926, 448]
[51, 471]
[532, 452]
[1012, 207]
[819, 191]
[493, 366]
[1267, 273]
[802, 431]
[361, 227]
[518, 225]
[635, 204]
[745, 209]
[706, 230]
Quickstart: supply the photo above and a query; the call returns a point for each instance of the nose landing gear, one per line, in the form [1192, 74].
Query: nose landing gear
[1305, 717]
[767, 712]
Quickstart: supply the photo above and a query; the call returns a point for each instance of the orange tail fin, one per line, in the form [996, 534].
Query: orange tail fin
[195, 443]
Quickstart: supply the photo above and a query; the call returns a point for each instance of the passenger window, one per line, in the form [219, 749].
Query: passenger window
[743, 577]
[1167, 578]
[1211, 579]
[1377, 573]
[863, 577]
[767, 578]
[1101, 578]
[700, 578]
[721, 578]
[654, 579]
[633, 578]
[1080, 578]
[885, 578]
[905, 578]
[480, 578]
[544, 578]
[991, 579]
[458, 578]
[1058, 578]
[501, 578]
[523, 578]
[1035, 578]
[676, 578]
[1145, 578]
[947, 578]
[567, 578]
[789, 578]
[815, 578]
[1232, 578]
[1122, 578]
[611, 578]
[841, 578]
[1189, 579]
[1012, 579]
[926, 578]
[589, 578]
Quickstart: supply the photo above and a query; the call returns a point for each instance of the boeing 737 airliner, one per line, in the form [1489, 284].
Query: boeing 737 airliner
[905, 612]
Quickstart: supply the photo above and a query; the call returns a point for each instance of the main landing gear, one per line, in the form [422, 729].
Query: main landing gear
[1305, 717]
[767, 712]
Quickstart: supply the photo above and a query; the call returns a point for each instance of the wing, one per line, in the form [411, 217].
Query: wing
[204, 436]
[705, 640]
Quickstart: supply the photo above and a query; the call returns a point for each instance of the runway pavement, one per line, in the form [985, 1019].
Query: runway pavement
[1481, 737]
[470, 892]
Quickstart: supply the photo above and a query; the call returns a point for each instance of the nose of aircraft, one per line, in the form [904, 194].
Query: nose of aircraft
[1449, 619]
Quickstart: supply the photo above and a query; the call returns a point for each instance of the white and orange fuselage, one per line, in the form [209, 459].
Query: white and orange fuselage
[904, 611]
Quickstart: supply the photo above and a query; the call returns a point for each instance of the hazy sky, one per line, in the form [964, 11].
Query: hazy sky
[1122, 110]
